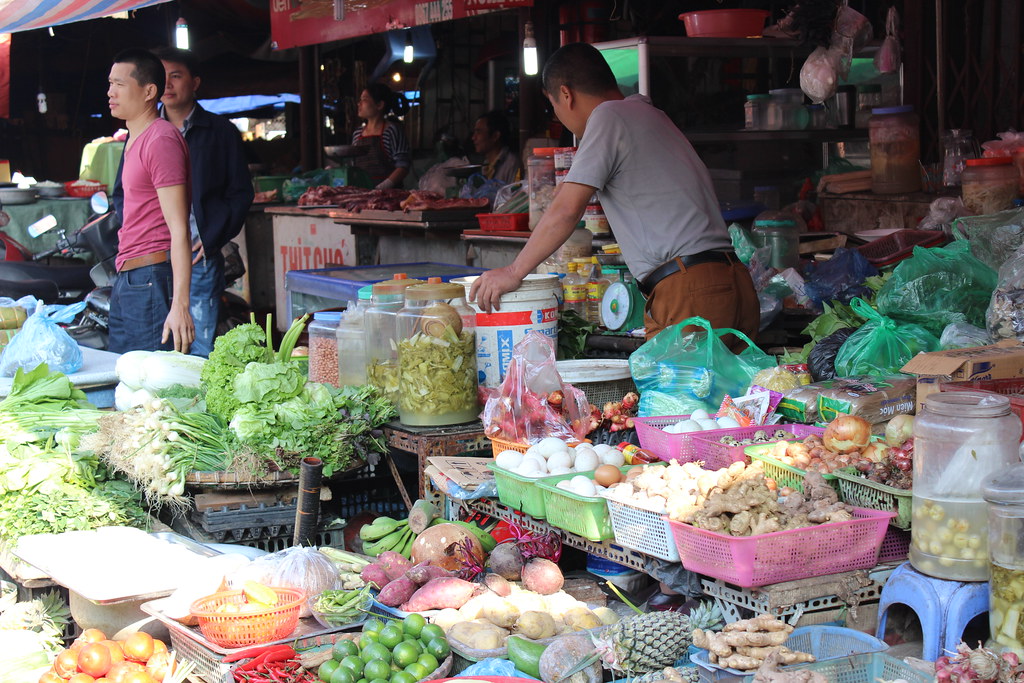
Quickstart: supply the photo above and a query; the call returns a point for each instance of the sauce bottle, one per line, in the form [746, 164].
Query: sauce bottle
[635, 455]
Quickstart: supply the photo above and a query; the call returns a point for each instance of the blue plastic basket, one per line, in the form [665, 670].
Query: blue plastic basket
[824, 642]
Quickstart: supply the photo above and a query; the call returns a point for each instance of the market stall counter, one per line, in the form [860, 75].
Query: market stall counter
[71, 214]
[96, 378]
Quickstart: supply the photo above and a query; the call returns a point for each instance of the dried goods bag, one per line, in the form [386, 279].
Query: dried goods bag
[881, 346]
[1005, 316]
[939, 286]
[42, 340]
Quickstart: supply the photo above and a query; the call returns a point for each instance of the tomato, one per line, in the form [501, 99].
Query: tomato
[66, 664]
[116, 653]
[118, 672]
[94, 659]
[160, 665]
[81, 678]
[138, 647]
[92, 635]
[159, 646]
[138, 677]
[50, 677]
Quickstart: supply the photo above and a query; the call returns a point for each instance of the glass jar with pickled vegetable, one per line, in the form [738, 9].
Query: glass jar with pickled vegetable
[1004, 493]
[386, 300]
[989, 185]
[895, 150]
[960, 438]
[436, 357]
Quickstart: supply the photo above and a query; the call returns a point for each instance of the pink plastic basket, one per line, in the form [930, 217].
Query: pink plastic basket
[667, 446]
[749, 561]
[895, 546]
[716, 455]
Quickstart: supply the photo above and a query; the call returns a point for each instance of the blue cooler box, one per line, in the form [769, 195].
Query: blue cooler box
[320, 288]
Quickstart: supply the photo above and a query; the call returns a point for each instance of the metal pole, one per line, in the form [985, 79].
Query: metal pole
[307, 515]
[940, 98]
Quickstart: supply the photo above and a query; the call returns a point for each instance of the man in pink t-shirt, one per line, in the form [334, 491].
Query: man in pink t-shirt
[149, 305]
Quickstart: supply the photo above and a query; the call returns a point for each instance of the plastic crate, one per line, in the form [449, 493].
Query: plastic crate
[585, 516]
[824, 642]
[503, 222]
[780, 472]
[864, 493]
[208, 665]
[668, 446]
[717, 455]
[643, 530]
[1012, 387]
[600, 379]
[895, 546]
[893, 248]
[519, 492]
[867, 668]
[750, 561]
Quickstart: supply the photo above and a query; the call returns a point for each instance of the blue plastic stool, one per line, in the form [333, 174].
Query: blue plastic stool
[943, 607]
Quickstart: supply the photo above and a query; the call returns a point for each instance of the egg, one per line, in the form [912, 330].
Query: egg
[508, 460]
[606, 475]
[726, 422]
[687, 426]
[550, 445]
[559, 461]
[586, 460]
[565, 485]
[699, 414]
[529, 468]
[603, 448]
[708, 423]
[612, 457]
[534, 452]
[582, 486]
[559, 470]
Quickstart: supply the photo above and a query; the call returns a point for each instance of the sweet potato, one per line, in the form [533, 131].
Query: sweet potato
[440, 593]
[424, 572]
[393, 564]
[374, 573]
[396, 592]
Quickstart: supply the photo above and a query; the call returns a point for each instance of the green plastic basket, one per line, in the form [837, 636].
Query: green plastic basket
[584, 516]
[864, 493]
[783, 474]
[519, 492]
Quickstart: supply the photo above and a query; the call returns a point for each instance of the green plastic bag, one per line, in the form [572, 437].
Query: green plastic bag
[881, 346]
[936, 287]
[678, 372]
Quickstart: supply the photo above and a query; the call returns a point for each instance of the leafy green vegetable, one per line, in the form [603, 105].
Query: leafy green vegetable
[573, 330]
[268, 382]
[437, 379]
[56, 507]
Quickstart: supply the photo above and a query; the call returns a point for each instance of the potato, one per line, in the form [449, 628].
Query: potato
[607, 615]
[477, 635]
[474, 607]
[526, 601]
[487, 640]
[501, 614]
[447, 618]
[581, 618]
[536, 625]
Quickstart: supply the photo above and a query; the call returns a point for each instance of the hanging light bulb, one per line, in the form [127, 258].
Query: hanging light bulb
[529, 51]
[181, 34]
[408, 54]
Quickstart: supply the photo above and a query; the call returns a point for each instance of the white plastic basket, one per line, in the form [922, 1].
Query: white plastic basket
[601, 379]
[643, 530]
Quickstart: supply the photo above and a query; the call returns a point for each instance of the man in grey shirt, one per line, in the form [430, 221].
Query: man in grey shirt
[656, 193]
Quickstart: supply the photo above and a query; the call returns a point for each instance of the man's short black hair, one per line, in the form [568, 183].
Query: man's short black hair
[147, 68]
[178, 56]
[497, 122]
[581, 67]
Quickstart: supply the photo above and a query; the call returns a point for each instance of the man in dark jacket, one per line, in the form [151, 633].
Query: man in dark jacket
[221, 188]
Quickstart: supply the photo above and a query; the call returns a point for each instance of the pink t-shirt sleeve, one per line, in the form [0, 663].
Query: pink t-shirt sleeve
[166, 159]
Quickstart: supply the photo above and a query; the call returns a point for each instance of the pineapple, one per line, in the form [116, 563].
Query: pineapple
[46, 615]
[652, 641]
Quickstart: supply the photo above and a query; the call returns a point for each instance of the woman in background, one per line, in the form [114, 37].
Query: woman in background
[387, 162]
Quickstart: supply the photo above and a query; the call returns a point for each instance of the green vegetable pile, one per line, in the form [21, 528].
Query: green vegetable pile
[438, 374]
[573, 330]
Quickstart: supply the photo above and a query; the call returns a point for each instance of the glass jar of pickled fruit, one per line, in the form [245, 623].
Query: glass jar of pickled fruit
[1004, 493]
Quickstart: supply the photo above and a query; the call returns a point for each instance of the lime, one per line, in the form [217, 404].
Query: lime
[380, 680]
[416, 644]
[390, 636]
[439, 648]
[343, 648]
[367, 638]
[377, 668]
[417, 670]
[342, 675]
[429, 632]
[429, 661]
[376, 651]
[374, 625]
[413, 624]
[354, 664]
[363, 680]
[401, 677]
[326, 669]
[405, 654]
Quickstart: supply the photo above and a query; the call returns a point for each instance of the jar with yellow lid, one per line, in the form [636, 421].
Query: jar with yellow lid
[386, 300]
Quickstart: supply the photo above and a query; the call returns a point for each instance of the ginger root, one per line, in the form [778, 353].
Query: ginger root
[769, 672]
[762, 622]
[722, 643]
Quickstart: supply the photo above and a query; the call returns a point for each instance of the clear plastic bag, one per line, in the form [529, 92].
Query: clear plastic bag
[42, 340]
[1004, 318]
[881, 346]
[963, 336]
[304, 568]
[532, 402]
[993, 237]
[742, 243]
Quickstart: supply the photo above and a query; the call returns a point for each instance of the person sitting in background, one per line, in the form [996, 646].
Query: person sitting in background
[492, 138]
[389, 158]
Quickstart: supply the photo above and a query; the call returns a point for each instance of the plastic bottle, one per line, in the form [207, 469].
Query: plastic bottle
[575, 291]
[635, 455]
[595, 291]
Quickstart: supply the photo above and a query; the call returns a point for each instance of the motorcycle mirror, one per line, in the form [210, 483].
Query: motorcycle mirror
[42, 225]
[99, 203]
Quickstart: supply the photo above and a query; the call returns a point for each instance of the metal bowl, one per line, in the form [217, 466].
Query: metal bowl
[463, 171]
[341, 152]
[50, 192]
[17, 195]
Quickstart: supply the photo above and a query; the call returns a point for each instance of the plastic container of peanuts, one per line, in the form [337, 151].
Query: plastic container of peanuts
[323, 347]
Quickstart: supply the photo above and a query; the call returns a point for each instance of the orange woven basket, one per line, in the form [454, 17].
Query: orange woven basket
[234, 629]
[499, 445]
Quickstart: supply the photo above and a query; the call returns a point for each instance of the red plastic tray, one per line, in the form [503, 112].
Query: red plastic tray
[503, 222]
[893, 248]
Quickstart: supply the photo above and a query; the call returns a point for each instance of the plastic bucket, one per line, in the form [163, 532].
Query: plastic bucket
[534, 306]
[724, 23]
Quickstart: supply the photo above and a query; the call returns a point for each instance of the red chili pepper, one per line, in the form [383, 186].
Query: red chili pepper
[254, 662]
[252, 652]
[280, 656]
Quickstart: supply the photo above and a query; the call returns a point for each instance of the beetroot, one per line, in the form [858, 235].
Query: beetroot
[442, 593]
[424, 572]
[393, 564]
[506, 561]
[498, 584]
[542, 576]
[397, 592]
[375, 574]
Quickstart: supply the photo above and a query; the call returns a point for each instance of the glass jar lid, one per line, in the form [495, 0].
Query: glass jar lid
[327, 316]
[776, 223]
[545, 151]
[435, 292]
[365, 292]
[968, 404]
[396, 286]
[882, 111]
[990, 161]
[759, 96]
[1006, 487]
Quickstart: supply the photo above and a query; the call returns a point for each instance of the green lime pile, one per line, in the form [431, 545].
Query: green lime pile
[403, 651]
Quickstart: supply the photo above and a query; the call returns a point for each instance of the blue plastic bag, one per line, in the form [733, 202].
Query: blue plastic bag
[42, 340]
[493, 667]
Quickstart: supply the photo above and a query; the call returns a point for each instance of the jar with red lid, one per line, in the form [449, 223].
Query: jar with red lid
[895, 150]
[989, 185]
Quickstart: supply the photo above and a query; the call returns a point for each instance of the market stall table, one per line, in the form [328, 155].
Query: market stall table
[100, 161]
[71, 214]
[96, 377]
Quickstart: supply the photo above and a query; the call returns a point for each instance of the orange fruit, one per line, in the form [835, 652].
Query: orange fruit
[66, 664]
[138, 647]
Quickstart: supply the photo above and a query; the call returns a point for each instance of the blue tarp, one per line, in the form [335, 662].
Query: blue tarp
[234, 105]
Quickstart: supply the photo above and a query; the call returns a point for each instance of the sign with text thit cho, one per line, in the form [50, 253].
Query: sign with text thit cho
[309, 22]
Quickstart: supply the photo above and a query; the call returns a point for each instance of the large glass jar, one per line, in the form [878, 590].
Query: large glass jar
[436, 357]
[989, 185]
[785, 110]
[960, 438]
[1004, 493]
[780, 233]
[351, 339]
[895, 150]
[323, 347]
[379, 333]
[540, 174]
[755, 111]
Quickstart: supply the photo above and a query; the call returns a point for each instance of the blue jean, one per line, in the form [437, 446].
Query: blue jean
[204, 302]
[139, 304]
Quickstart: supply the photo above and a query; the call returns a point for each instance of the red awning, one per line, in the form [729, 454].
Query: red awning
[25, 15]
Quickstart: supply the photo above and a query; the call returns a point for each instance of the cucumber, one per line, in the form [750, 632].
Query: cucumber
[525, 654]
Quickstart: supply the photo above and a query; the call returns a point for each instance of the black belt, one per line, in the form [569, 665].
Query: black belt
[648, 284]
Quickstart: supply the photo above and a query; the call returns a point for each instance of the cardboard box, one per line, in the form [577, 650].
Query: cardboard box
[995, 361]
